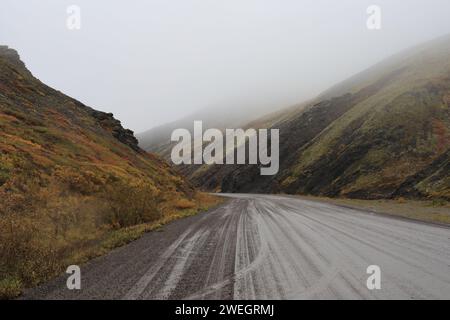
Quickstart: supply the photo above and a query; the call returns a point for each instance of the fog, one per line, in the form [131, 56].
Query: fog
[155, 61]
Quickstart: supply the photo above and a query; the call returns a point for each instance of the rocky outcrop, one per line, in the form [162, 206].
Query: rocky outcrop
[108, 122]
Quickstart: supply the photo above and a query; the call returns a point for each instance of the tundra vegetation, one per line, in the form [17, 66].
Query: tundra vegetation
[73, 182]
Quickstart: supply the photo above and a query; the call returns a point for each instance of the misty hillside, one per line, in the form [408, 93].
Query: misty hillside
[382, 133]
[157, 139]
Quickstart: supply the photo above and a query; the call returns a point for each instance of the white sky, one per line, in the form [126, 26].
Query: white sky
[151, 62]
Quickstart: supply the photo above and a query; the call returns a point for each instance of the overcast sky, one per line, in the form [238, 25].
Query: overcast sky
[154, 61]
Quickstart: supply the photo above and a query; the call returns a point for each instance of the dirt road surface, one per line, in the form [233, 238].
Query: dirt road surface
[271, 247]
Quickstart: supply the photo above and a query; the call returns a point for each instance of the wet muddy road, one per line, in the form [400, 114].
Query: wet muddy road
[271, 247]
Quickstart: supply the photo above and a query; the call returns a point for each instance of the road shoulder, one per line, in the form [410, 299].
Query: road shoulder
[413, 210]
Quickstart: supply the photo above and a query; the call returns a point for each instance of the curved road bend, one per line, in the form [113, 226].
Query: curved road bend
[271, 247]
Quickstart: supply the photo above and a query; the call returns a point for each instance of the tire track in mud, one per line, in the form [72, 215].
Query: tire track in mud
[271, 247]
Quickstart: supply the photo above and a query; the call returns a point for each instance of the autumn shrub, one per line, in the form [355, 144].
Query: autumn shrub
[129, 204]
[39, 231]
[401, 200]
[26, 256]
[48, 223]
[84, 182]
[184, 204]
[10, 287]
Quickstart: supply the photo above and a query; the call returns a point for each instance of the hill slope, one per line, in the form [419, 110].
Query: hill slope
[69, 177]
[158, 139]
[383, 133]
[45, 130]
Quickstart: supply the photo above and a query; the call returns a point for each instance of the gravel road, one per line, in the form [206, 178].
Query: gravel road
[271, 247]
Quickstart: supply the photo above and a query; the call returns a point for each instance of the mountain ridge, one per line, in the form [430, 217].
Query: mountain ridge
[382, 133]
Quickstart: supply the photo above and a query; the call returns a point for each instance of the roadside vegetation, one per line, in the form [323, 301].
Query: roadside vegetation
[434, 211]
[46, 229]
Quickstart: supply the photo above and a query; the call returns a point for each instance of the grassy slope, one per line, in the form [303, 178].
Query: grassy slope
[73, 182]
[383, 133]
[395, 133]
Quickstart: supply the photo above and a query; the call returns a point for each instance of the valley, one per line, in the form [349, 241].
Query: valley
[382, 134]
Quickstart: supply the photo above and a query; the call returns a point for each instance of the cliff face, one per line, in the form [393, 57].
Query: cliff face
[12, 57]
[109, 123]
